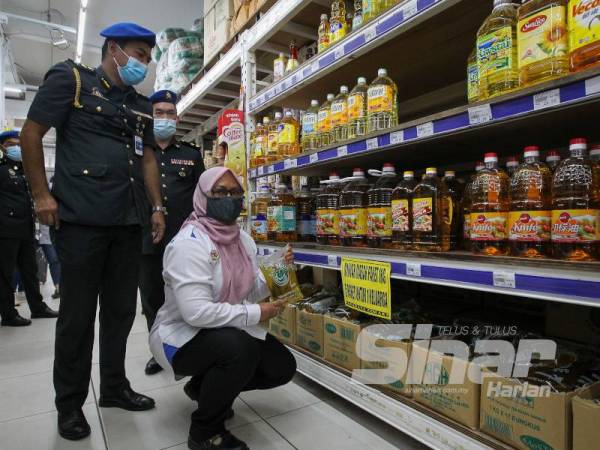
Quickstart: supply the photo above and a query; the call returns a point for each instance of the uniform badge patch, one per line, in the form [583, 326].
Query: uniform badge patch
[214, 255]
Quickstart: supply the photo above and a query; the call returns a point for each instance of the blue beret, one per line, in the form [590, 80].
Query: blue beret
[9, 134]
[128, 30]
[165, 96]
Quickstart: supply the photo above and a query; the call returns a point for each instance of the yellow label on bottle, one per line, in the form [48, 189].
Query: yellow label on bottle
[356, 106]
[488, 226]
[380, 98]
[495, 52]
[423, 214]
[543, 35]
[584, 26]
[287, 133]
[272, 142]
[400, 217]
[258, 146]
[379, 221]
[338, 30]
[473, 82]
[324, 121]
[339, 113]
[327, 222]
[575, 225]
[529, 226]
[467, 226]
[353, 222]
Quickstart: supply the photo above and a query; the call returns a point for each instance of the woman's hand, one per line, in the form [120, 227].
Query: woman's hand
[268, 310]
[289, 255]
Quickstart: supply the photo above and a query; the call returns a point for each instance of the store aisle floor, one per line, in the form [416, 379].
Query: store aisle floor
[300, 415]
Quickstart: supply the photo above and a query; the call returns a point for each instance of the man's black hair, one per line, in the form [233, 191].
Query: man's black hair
[120, 42]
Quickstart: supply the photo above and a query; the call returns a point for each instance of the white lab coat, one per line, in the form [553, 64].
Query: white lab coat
[193, 276]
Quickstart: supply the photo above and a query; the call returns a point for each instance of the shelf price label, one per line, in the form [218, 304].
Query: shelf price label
[413, 269]
[271, 169]
[504, 279]
[332, 260]
[342, 151]
[372, 143]
[314, 67]
[480, 114]
[410, 9]
[546, 99]
[290, 164]
[367, 286]
[371, 33]
[253, 173]
[592, 85]
[425, 130]
[313, 158]
[396, 137]
[339, 52]
[261, 170]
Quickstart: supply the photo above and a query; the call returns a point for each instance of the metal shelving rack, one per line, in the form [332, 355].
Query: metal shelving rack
[438, 126]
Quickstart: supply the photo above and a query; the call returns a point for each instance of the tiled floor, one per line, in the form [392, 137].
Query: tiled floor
[301, 415]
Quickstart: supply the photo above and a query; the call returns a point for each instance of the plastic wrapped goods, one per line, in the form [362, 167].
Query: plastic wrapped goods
[168, 35]
[281, 277]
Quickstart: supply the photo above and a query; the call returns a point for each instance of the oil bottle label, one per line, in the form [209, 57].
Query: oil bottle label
[488, 226]
[309, 123]
[473, 82]
[338, 31]
[543, 35]
[575, 225]
[353, 222]
[259, 224]
[423, 214]
[380, 98]
[584, 26]
[287, 133]
[379, 222]
[274, 218]
[288, 219]
[339, 114]
[327, 222]
[529, 226]
[307, 225]
[272, 143]
[324, 121]
[400, 219]
[495, 52]
[356, 106]
[467, 226]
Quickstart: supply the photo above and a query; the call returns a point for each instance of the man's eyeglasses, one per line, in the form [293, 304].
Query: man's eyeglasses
[222, 193]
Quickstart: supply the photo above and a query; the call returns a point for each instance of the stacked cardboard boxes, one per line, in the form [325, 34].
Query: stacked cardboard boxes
[217, 22]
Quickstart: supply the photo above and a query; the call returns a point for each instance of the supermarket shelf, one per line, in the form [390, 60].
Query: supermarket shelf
[551, 280]
[406, 419]
[573, 91]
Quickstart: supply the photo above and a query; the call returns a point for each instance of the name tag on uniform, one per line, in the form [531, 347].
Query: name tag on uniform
[182, 162]
[138, 145]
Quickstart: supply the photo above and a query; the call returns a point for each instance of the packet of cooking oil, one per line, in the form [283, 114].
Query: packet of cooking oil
[281, 277]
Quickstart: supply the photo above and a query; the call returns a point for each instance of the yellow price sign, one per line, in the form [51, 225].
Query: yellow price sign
[367, 286]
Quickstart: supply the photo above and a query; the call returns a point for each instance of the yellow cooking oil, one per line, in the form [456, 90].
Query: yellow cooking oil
[338, 28]
[357, 109]
[472, 78]
[339, 116]
[287, 136]
[382, 103]
[324, 122]
[370, 10]
[272, 154]
[309, 127]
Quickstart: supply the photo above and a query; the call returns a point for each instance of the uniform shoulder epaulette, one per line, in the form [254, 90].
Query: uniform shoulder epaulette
[191, 144]
[82, 66]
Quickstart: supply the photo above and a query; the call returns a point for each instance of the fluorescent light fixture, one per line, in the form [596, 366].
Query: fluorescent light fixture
[14, 90]
[81, 30]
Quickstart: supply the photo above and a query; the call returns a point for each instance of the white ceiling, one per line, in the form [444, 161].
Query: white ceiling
[30, 44]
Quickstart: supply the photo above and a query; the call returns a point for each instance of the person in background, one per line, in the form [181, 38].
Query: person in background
[208, 327]
[17, 239]
[105, 168]
[180, 165]
[50, 252]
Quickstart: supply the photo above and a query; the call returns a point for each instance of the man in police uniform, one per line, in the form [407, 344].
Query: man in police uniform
[180, 165]
[17, 237]
[105, 167]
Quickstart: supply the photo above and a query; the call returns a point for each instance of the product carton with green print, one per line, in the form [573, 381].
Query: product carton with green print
[586, 418]
[309, 331]
[339, 342]
[283, 326]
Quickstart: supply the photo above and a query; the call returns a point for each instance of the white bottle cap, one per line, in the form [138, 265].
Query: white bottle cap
[266, 120]
[490, 157]
[389, 168]
[382, 72]
[358, 173]
[578, 144]
[409, 174]
[334, 176]
[450, 173]
[362, 80]
[314, 103]
[278, 115]
[343, 89]
[330, 97]
[431, 171]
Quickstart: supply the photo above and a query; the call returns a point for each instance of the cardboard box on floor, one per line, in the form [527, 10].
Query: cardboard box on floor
[217, 17]
[339, 342]
[283, 326]
[309, 331]
[586, 419]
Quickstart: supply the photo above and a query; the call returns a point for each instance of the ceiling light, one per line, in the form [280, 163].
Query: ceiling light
[81, 30]
[14, 90]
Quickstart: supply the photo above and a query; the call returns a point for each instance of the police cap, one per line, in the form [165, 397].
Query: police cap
[8, 134]
[129, 31]
[164, 96]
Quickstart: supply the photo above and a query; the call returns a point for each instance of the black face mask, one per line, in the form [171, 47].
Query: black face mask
[225, 210]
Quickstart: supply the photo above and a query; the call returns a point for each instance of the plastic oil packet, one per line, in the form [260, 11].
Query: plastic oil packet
[281, 277]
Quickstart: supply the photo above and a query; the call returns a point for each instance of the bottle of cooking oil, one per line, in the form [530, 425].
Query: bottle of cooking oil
[337, 24]
[328, 224]
[353, 210]
[259, 145]
[552, 160]
[279, 65]
[379, 212]
[292, 63]
[489, 209]
[512, 163]
[323, 34]
[281, 215]
[431, 208]
[402, 211]
[357, 20]
[575, 220]
[384, 5]
[595, 158]
[466, 208]
[455, 191]
[357, 109]
[584, 34]
[530, 207]
[382, 103]
[287, 137]
[497, 51]
[305, 215]
[370, 10]
[339, 116]
[543, 42]
[309, 127]
[472, 78]
[324, 122]
[272, 139]
[260, 208]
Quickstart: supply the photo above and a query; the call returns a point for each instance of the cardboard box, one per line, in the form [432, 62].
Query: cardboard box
[217, 19]
[586, 419]
[309, 331]
[339, 344]
[460, 402]
[242, 14]
[283, 326]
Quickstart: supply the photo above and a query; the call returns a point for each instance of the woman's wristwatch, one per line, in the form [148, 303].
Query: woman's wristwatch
[160, 209]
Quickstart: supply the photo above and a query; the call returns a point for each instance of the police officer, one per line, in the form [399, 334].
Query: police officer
[17, 237]
[105, 167]
[180, 165]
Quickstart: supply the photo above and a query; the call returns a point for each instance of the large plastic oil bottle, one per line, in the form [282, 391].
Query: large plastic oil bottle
[595, 158]
[305, 215]
[497, 51]
[327, 201]
[260, 143]
[309, 127]
[402, 211]
[324, 122]
[379, 212]
[382, 103]
[543, 42]
[431, 208]
[530, 207]
[575, 210]
[472, 78]
[281, 215]
[357, 109]
[323, 34]
[584, 34]
[272, 139]
[339, 116]
[489, 209]
[357, 19]
[455, 190]
[512, 163]
[552, 160]
[287, 136]
[370, 10]
[260, 209]
[353, 210]
[466, 208]
[337, 25]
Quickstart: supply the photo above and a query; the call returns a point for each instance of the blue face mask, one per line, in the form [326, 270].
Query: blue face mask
[164, 129]
[133, 72]
[14, 152]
